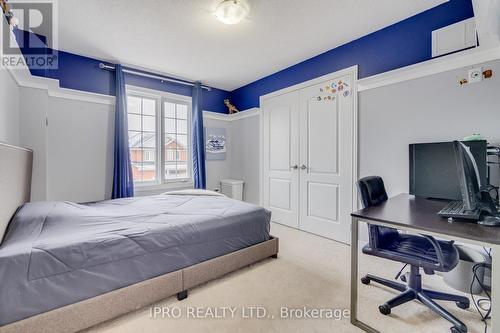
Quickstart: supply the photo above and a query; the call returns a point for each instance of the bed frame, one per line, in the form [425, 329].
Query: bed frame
[87, 313]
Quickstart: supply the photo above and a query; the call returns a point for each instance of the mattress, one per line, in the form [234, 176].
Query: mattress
[59, 253]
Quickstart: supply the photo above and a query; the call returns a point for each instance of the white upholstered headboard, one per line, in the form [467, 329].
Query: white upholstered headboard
[15, 181]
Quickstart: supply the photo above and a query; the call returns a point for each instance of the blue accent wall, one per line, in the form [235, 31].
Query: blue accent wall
[83, 73]
[404, 43]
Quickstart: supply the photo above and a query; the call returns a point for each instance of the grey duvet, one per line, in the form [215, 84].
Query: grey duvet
[59, 253]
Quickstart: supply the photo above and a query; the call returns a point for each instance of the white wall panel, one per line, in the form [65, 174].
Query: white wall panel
[217, 170]
[245, 155]
[80, 150]
[9, 109]
[33, 107]
[430, 109]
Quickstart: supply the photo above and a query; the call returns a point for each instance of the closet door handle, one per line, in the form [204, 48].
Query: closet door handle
[294, 167]
[303, 167]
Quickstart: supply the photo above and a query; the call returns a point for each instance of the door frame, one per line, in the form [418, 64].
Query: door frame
[353, 72]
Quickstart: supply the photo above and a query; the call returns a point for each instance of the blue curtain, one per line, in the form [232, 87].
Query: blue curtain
[123, 181]
[198, 139]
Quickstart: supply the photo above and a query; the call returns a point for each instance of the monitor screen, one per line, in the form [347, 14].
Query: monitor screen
[433, 169]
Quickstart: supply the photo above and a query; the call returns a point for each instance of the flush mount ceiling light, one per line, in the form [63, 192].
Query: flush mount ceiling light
[231, 11]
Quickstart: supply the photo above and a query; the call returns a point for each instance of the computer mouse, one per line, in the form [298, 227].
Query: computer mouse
[490, 221]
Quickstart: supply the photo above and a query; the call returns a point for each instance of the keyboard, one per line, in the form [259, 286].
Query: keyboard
[455, 209]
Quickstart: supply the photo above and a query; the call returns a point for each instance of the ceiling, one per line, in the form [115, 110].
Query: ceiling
[184, 39]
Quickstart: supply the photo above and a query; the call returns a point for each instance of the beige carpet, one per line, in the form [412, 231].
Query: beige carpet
[311, 271]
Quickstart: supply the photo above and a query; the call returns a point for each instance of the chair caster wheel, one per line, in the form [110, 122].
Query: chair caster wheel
[365, 280]
[457, 330]
[463, 305]
[385, 309]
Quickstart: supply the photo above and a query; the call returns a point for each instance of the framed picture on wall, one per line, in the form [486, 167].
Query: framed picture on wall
[215, 143]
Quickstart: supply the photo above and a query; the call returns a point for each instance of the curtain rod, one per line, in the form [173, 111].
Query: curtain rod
[151, 76]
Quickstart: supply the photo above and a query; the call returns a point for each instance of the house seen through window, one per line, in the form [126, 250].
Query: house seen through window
[158, 138]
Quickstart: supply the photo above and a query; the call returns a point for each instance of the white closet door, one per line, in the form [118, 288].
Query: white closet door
[325, 158]
[281, 158]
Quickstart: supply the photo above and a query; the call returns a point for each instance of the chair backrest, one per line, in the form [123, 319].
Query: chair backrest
[372, 192]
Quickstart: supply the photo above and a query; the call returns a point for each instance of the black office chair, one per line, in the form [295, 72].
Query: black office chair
[417, 251]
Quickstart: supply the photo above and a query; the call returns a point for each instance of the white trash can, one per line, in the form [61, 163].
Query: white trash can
[233, 188]
[460, 278]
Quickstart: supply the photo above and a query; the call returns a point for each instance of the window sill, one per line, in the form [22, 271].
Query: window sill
[153, 189]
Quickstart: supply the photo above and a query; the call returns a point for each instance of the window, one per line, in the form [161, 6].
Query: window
[159, 137]
[176, 140]
[149, 156]
[142, 137]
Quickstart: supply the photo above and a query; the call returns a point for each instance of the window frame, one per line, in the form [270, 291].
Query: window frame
[161, 97]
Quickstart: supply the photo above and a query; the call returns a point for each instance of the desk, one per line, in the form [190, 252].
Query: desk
[418, 215]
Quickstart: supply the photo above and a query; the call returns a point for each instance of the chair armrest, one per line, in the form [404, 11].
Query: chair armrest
[437, 248]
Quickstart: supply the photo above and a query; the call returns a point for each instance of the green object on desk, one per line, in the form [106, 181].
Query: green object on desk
[473, 137]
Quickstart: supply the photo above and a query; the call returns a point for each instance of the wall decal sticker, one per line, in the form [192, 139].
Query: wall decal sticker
[329, 92]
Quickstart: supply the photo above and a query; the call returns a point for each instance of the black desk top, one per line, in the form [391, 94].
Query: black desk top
[421, 214]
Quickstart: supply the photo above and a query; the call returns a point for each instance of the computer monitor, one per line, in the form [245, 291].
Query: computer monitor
[433, 170]
[468, 176]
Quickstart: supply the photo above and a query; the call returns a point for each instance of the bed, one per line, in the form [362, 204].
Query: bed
[65, 267]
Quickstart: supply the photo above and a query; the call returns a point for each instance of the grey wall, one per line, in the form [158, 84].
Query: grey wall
[434, 108]
[80, 150]
[33, 107]
[217, 170]
[73, 155]
[9, 109]
[245, 147]
[243, 156]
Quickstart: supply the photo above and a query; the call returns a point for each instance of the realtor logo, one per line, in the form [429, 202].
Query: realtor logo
[29, 34]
